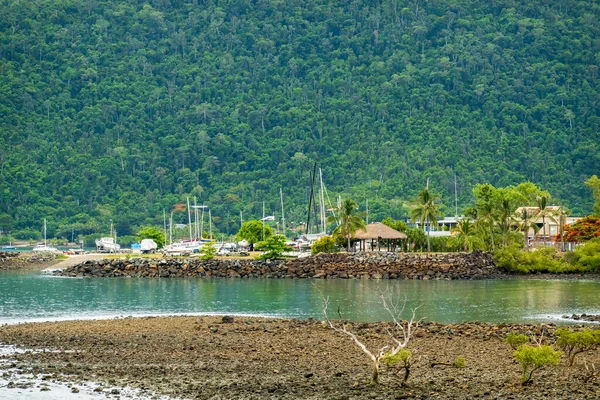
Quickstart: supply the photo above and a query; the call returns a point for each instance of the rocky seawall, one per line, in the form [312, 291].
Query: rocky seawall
[11, 260]
[476, 265]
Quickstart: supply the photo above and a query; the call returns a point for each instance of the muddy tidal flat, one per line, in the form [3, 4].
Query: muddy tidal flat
[257, 358]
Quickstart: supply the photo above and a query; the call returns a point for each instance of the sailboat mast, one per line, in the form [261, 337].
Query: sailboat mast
[322, 201]
[189, 217]
[367, 208]
[195, 218]
[282, 214]
[310, 198]
[44, 231]
[202, 224]
[171, 229]
[263, 222]
[210, 224]
[165, 223]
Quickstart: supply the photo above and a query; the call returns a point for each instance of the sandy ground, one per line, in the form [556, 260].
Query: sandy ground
[254, 358]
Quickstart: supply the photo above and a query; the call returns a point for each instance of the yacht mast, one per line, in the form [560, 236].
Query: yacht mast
[209, 224]
[189, 217]
[282, 214]
[322, 202]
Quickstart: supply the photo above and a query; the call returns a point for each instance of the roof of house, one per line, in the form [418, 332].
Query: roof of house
[377, 230]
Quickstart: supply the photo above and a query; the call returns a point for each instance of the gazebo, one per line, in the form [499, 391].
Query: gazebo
[378, 231]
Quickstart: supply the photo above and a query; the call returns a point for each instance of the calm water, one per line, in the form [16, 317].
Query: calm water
[32, 297]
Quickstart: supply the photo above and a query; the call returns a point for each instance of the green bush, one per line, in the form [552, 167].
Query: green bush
[534, 358]
[273, 247]
[544, 259]
[573, 343]
[460, 362]
[326, 244]
[587, 256]
[208, 252]
[27, 234]
[401, 361]
[516, 340]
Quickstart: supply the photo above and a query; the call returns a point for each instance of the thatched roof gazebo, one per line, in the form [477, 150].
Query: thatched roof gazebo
[378, 231]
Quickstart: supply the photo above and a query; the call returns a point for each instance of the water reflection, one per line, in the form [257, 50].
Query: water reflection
[32, 296]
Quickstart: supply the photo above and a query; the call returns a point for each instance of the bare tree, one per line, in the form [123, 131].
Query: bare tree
[399, 335]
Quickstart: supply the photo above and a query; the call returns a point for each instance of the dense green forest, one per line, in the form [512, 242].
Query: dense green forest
[118, 110]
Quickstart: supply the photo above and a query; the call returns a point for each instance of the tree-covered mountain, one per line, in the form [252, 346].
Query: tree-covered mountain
[118, 110]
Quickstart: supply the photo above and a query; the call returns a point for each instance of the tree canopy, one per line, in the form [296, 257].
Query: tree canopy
[120, 110]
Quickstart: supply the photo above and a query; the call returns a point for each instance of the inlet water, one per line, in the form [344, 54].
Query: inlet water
[37, 297]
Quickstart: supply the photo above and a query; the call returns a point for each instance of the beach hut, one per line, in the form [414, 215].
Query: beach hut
[378, 232]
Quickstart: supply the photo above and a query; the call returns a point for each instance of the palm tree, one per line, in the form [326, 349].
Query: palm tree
[544, 211]
[349, 221]
[465, 234]
[526, 221]
[505, 217]
[562, 221]
[425, 208]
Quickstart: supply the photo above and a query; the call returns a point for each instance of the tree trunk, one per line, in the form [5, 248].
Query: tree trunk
[348, 243]
[375, 373]
[544, 225]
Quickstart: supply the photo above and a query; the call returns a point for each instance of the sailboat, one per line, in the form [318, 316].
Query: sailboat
[9, 246]
[44, 247]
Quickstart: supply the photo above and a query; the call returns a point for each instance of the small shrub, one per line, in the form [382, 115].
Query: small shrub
[326, 244]
[460, 362]
[208, 252]
[534, 358]
[573, 343]
[401, 361]
[515, 340]
[273, 247]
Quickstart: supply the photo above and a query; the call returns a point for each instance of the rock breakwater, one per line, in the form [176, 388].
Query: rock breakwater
[476, 265]
[10, 260]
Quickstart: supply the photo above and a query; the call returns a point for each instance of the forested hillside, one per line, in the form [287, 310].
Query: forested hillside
[118, 110]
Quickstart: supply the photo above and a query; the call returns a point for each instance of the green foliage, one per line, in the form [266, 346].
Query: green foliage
[515, 340]
[252, 232]
[28, 234]
[594, 184]
[425, 208]
[348, 219]
[150, 232]
[127, 240]
[542, 260]
[399, 358]
[573, 343]
[587, 256]
[208, 251]
[122, 109]
[326, 244]
[460, 362]
[532, 358]
[273, 247]
[6, 239]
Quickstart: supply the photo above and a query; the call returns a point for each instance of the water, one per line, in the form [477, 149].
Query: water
[36, 297]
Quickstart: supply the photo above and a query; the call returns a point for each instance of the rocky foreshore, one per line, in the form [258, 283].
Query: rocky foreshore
[476, 265]
[258, 358]
[11, 260]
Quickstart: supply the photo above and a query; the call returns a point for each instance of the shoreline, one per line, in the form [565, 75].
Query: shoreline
[255, 358]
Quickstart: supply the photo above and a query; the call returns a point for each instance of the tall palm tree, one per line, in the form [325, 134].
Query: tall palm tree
[465, 235]
[526, 221]
[506, 217]
[349, 221]
[545, 212]
[426, 209]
